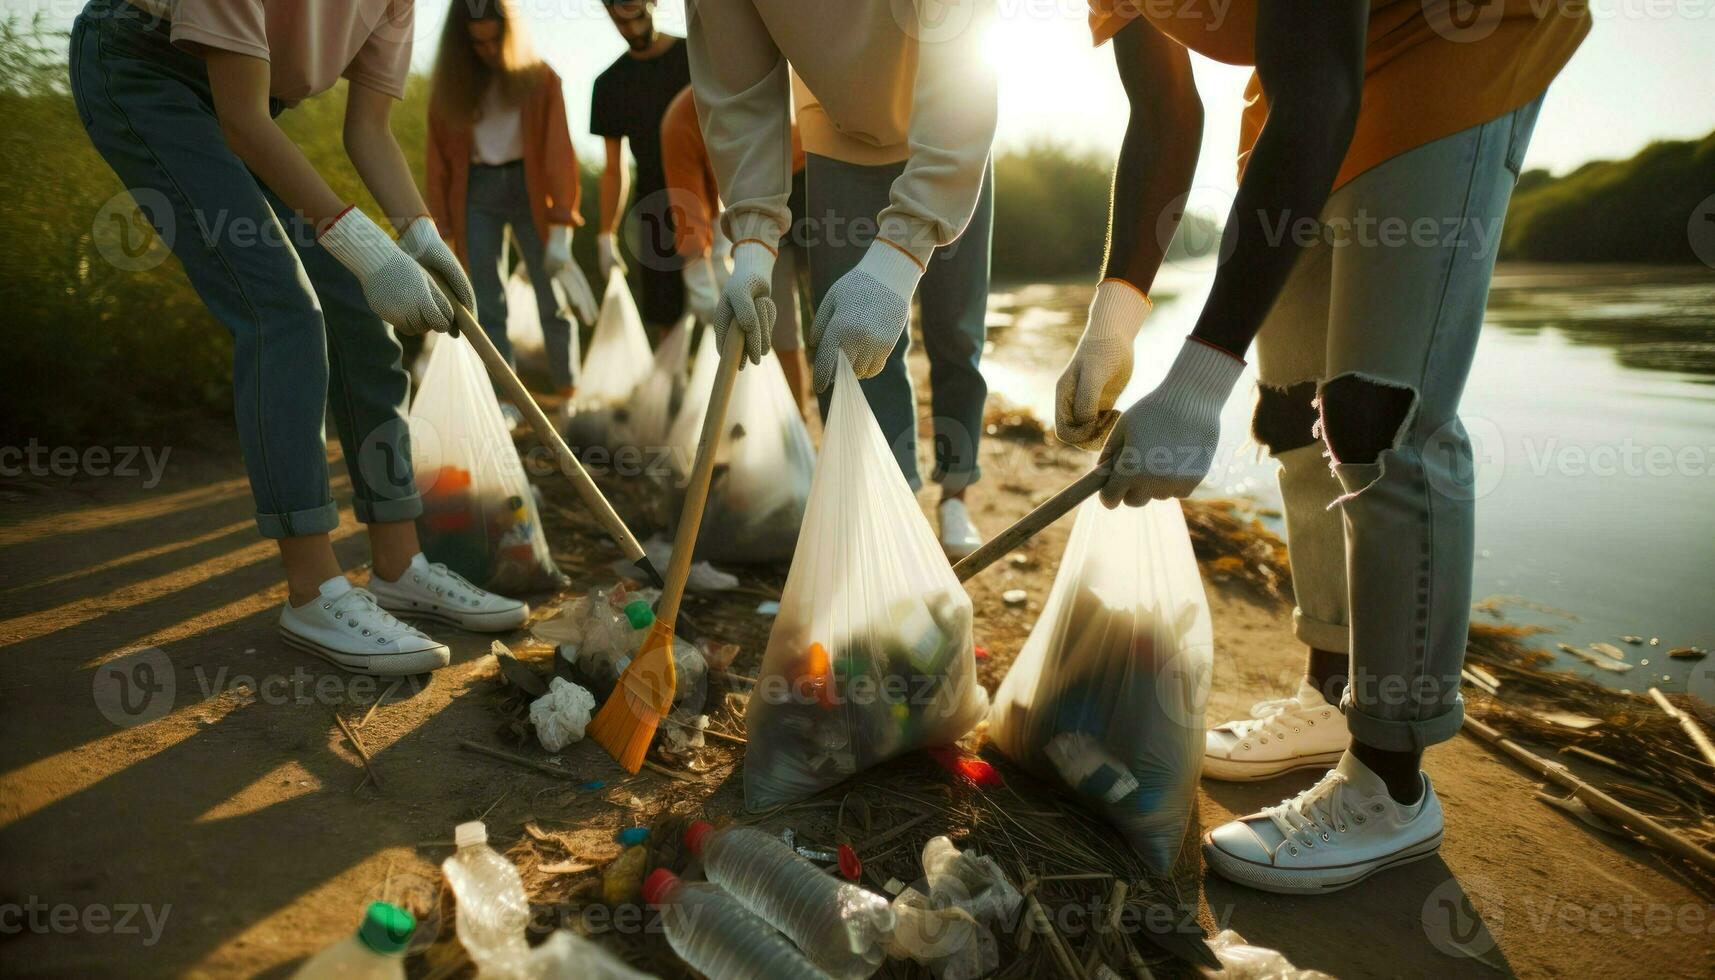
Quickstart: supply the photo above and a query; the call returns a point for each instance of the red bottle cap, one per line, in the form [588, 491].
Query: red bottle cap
[851, 868]
[658, 884]
[695, 834]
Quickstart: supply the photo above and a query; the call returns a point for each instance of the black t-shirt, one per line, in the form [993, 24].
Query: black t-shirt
[629, 100]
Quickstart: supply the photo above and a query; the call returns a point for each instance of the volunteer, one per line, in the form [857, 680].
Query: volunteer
[178, 96]
[897, 114]
[626, 107]
[500, 156]
[1379, 118]
[696, 206]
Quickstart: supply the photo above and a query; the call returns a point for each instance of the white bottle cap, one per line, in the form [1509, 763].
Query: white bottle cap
[469, 834]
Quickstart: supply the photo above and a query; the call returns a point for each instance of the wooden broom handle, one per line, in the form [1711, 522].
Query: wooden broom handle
[544, 428]
[697, 490]
[1025, 528]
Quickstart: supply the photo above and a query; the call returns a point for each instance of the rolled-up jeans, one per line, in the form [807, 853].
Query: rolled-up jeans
[497, 198]
[1390, 294]
[304, 339]
[844, 199]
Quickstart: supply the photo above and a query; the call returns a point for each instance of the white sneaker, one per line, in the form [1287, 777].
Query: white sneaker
[433, 591]
[1300, 732]
[346, 627]
[1334, 834]
[959, 537]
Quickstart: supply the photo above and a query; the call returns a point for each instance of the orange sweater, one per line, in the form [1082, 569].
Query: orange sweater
[550, 167]
[1432, 67]
[691, 176]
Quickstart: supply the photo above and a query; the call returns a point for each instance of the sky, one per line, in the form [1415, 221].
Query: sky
[1646, 72]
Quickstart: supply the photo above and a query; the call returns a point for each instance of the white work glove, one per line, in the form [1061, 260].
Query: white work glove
[1100, 367]
[746, 301]
[422, 241]
[721, 252]
[557, 263]
[1164, 445]
[394, 285]
[607, 255]
[702, 293]
[864, 313]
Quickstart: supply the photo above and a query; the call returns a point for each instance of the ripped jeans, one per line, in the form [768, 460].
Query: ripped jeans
[1362, 361]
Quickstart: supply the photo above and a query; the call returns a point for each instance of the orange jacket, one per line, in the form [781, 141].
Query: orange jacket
[550, 167]
[690, 175]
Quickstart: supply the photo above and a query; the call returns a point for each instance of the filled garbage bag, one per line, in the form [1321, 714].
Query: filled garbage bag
[1109, 691]
[761, 480]
[524, 320]
[618, 359]
[657, 397]
[871, 653]
[479, 513]
[687, 425]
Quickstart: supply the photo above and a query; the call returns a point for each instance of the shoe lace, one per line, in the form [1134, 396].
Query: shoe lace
[1264, 714]
[443, 580]
[1319, 812]
[359, 610]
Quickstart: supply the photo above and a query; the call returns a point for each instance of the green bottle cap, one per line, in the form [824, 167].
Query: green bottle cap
[639, 613]
[386, 928]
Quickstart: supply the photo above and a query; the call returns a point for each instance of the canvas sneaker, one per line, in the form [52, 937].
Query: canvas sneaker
[959, 537]
[1333, 835]
[344, 626]
[1300, 732]
[431, 590]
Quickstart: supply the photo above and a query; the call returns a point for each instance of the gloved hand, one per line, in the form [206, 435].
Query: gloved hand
[607, 255]
[702, 293]
[864, 313]
[423, 242]
[1164, 445]
[1100, 367]
[746, 301]
[557, 263]
[720, 256]
[395, 286]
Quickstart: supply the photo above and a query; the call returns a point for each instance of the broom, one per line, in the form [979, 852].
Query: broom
[626, 723]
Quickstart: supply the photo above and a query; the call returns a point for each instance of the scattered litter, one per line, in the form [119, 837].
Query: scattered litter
[1014, 597]
[1576, 807]
[1633, 640]
[561, 715]
[946, 920]
[968, 767]
[1242, 961]
[622, 879]
[981, 653]
[769, 607]
[567, 954]
[632, 836]
[1594, 660]
[718, 937]
[1688, 653]
[1021, 561]
[596, 636]
[1609, 650]
[704, 577]
[1015, 423]
[516, 673]
[493, 912]
[375, 952]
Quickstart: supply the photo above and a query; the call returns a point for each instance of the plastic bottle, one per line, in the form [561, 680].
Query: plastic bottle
[712, 932]
[839, 926]
[492, 910]
[375, 952]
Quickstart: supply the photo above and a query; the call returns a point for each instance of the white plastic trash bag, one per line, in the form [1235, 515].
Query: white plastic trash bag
[762, 476]
[1109, 691]
[871, 654]
[687, 426]
[618, 359]
[561, 715]
[479, 514]
[658, 395]
[524, 320]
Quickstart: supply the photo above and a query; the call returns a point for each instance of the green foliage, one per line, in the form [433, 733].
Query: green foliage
[1635, 210]
[1050, 212]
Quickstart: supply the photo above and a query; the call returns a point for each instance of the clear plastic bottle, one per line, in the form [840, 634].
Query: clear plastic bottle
[839, 926]
[492, 910]
[375, 952]
[712, 932]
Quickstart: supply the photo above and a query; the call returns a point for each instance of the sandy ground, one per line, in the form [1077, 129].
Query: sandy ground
[192, 809]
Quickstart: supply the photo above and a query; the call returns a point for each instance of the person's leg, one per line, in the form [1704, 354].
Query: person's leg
[844, 199]
[954, 297]
[557, 334]
[1407, 308]
[147, 109]
[788, 335]
[486, 211]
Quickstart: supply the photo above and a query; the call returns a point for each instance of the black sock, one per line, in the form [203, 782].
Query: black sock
[1327, 672]
[1401, 771]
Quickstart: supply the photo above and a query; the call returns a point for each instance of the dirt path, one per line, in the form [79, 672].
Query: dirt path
[190, 809]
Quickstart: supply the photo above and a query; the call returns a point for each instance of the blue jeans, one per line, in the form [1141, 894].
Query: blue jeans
[844, 199]
[497, 197]
[304, 339]
[1389, 302]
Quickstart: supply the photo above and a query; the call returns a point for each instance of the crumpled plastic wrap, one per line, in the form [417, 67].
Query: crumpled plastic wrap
[1242, 961]
[561, 715]
[946, 921]
[597, 642]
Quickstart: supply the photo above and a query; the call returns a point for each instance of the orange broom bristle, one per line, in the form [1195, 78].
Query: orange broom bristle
[626, 723]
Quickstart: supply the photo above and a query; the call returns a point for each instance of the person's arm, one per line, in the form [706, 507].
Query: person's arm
[437, 174]
[1157, 162]
[685, 164]
[615, 185]
[1310, 61]
[565, 189]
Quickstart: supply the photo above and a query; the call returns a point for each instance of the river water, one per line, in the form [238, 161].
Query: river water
[1592, 410]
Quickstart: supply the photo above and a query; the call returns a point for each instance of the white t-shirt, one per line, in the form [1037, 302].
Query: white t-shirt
[498, 134]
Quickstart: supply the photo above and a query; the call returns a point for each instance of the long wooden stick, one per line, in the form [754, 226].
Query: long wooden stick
[362, 750]
[550, 437]
[1603, 804]
[1026, 527]
[546, 768]
[1693, 730]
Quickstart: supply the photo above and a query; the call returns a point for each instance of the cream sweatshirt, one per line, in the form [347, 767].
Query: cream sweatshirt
[881, 81]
